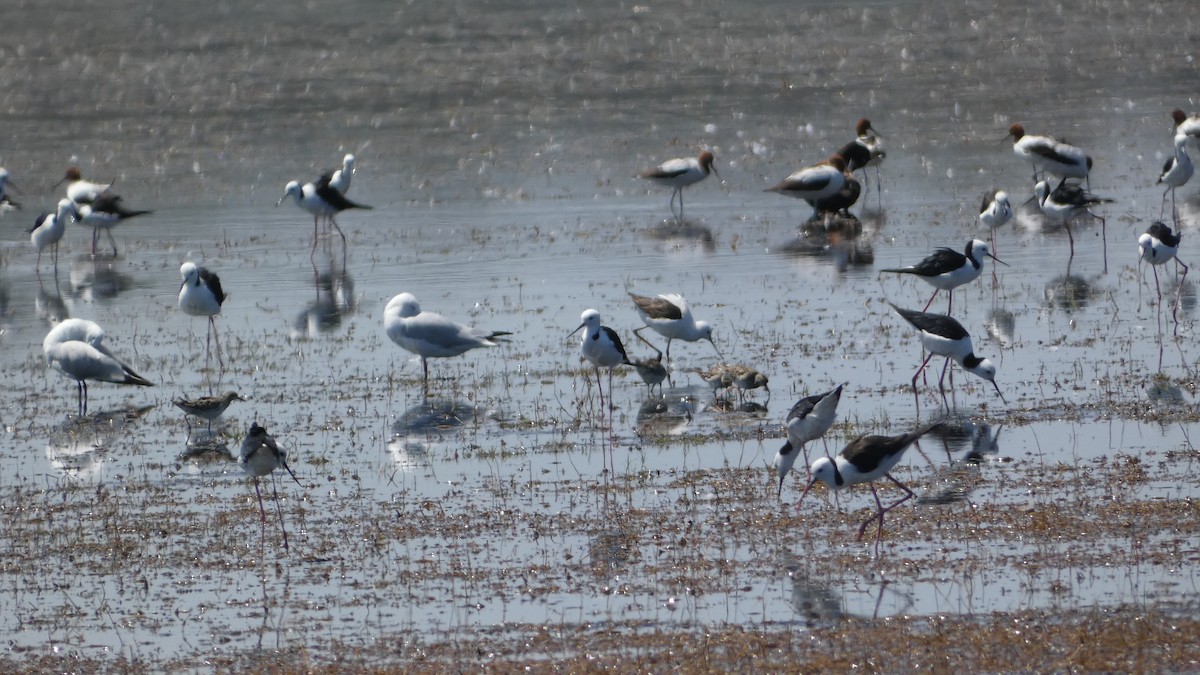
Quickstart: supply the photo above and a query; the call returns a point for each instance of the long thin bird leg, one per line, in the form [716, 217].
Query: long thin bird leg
[942, 383]
[920, 369]
[926, 307]
[212, 325]
[1178, 293]
[262, 510]
[279, 510]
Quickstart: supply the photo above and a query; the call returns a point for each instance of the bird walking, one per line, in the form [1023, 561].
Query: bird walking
[946, 269]
[1050, 155]
[1158, 246]
[200, 294]
[431, 335]
[48, 230]
[866, 150]
[207, 408]
[811, 418]
[321, 200]
[652, 371]
[602, 347]
[260, 456]
[814, 183]
[104, 213]
[669, 315]
[865, 460]
[1176, 173]
[1066, 202]
[679, 173]
[79, 190]
[75, 348]
[340, 179]
[941, 335]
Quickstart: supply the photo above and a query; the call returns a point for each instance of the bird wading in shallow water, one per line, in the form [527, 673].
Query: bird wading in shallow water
[48, 230]
[669, 316]
[947, 269]
[200, 294]
[600, 346]
[866, 150]
[75, 348]
[1175, 174]
[207, 408]
[811, 418]
[941, 335]
[1066, 202]
[865, 460]
[1158, 245]
[679, 173]
[431, 335]
[814, 183]
[260, 456]
[1050, 155]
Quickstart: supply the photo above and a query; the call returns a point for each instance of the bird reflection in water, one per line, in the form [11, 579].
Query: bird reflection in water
[1002, 327]
[426, 424]
[49, 304]
[77, 448]
[679, 235]
[954, 482]
[334, 300]
[91, 280]
[1068, 292]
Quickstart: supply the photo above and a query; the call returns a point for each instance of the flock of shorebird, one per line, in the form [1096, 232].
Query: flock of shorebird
[75, 346]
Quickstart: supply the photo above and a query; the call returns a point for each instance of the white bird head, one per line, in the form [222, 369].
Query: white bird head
[823, 469]
[1041, 191]
[1146, 247]
[591, 319]
[404, 306]
[291, 189]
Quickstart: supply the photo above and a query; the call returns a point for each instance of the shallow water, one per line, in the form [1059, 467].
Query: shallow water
[498, 146]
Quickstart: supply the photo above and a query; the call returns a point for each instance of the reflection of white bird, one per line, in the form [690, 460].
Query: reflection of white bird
[260, 456]
[431, 335]
[200, 294]
[74, 348]
[76, 455]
